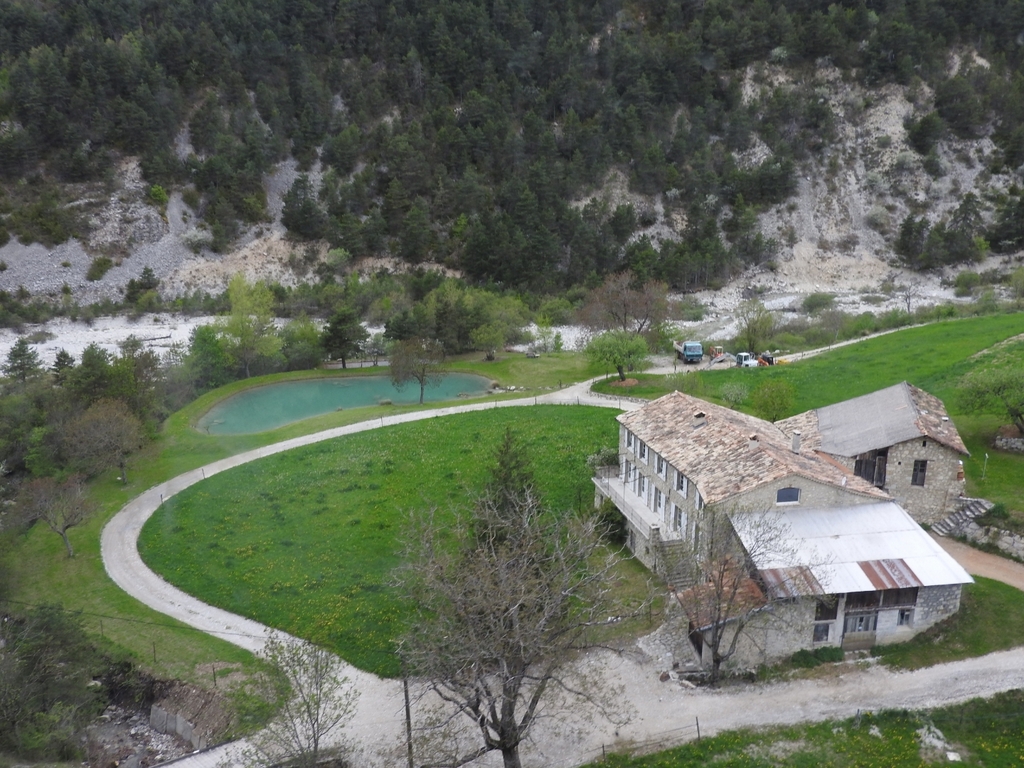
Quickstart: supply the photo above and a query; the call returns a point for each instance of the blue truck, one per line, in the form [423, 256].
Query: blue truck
[690, 351]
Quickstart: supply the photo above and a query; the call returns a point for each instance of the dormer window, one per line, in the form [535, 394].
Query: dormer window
[787, 496]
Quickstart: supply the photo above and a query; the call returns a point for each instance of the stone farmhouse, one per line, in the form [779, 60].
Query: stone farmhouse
[899, 439]
[858, 570]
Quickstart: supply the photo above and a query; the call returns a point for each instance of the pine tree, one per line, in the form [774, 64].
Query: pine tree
[22, 361]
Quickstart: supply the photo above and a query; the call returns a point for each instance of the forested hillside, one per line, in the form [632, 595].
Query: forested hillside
[471, 133]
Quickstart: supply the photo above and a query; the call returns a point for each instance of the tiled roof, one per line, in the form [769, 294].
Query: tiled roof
[727, 452]
[877, 420]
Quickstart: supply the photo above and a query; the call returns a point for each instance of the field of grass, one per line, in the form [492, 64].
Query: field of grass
[983, 732]
[306, 541]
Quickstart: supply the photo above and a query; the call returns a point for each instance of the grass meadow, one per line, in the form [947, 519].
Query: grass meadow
[307, 540]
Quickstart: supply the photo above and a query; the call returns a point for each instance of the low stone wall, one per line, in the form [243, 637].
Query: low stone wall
[1010, 543]
[1014, 444]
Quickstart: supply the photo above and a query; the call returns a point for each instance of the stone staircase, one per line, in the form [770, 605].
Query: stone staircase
[968, 511]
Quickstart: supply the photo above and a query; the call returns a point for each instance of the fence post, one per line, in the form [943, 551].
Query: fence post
[698, 728]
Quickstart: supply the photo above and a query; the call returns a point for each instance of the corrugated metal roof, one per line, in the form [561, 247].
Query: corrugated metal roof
[889, 574]
[856, 549]
[790, 582]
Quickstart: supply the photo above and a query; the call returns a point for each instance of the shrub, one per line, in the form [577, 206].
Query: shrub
[99, 267]
[606, 457]
[3, 266]
[966, 282]
[805, 659]
[998, 511]
[158, 195]
[816, 302]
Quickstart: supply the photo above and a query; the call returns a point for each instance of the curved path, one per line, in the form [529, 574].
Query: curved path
[660, 711]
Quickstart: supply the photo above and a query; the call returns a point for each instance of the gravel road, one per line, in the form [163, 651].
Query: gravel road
[662, 711]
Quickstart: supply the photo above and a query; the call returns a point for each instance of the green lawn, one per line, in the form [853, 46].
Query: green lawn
[985, 732]
[307, 540]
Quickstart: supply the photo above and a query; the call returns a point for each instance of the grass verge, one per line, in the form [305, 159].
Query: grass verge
[991, 618]
[984, 732]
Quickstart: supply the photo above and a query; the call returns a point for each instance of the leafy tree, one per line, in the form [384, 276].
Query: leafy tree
[1017, 284]
[995, 387]
[249, 330]
[207, 361]
[773, 399]
[756, 325]
[47, 695]
[504, 599]
[343, 335]
[376, 346]
[301, 344]
[490, 338]
[22, 361]
[102, 437]
[59, 505]
[620, 349]
[419, 360]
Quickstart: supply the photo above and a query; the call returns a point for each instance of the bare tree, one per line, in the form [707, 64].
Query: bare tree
[104, 436]
[61, 506]
[419, 360]
[505, 597]
[907, 293]
[319, 700]
[723, 600]
[620, 303]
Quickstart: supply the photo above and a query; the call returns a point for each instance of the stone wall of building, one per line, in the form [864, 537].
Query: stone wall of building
[943, 483]
[813, 495]
[935, 604]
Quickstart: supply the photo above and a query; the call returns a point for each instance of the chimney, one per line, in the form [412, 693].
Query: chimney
[753, 442]
[796, 442]
[700, 419]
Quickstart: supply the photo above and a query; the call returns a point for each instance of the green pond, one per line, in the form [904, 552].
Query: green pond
[274, 405]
